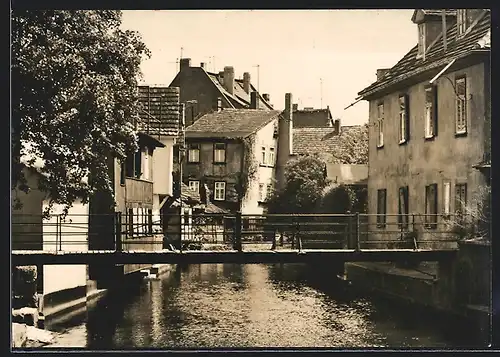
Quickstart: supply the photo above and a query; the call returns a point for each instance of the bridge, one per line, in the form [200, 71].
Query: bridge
[231, 239]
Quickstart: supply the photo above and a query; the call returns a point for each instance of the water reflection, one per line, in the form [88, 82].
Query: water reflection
[227, 305]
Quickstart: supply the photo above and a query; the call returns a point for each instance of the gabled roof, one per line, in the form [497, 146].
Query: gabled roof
[230, 123]
[189, 195]
[410, 66]
[431, 12]
[239, 98]
[310, 141]
[155, 115]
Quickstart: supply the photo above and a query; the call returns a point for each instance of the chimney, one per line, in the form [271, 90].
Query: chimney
[185, 63]
[229, 79]
[266, 97]
[295, 107]
[221, 77]
[202, 64]
[254, 100]
[285, 140]
[381, 72]
[246, 82]
[337, 126]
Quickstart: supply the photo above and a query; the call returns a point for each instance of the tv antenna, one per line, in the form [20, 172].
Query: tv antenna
[258, 75]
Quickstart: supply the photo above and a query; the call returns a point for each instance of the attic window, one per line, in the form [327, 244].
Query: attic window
[461, 21]
[421, 40]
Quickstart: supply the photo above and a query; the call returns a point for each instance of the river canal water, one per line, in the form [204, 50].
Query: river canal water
[254, 305]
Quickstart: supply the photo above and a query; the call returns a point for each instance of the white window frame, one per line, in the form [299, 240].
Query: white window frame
[219, 191]
[219, 154]
[271, 156]
[429, 114]
[461, 107]
[261, 192]
[446, 198]
[145, 164]
[380, 125]
[402, 119]
[194, 153]
[461, 22]
[263, 155]
[194, 185]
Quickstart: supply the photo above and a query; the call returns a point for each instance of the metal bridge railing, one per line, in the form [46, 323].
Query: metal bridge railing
[237, 231]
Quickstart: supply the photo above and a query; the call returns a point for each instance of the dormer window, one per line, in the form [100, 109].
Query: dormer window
[461, 21]
[421, 40]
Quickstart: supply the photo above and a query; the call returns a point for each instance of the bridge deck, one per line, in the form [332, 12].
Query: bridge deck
[29, 257]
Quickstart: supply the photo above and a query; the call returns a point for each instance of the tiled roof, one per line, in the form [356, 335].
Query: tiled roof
[239, 95]
[322, 140]
[188, 194]
[213, 208]
[230, 123]
[435, 57]
[160, 120]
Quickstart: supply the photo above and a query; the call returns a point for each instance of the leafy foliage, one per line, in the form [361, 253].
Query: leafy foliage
[475, 221]
[74, 99]
[353, 148]
[305, 180]
[344, 199]
[249, 170]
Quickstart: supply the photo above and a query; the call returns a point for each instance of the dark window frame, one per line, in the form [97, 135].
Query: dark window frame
[458, 100]
[403, 209]
[381, 208]
[433, 103]
[215, 149]
[431, 208]
[193, 146]
[405, 97]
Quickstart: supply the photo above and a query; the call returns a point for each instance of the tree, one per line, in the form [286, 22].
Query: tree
[74, 99]
[353, 146]
[305, 180]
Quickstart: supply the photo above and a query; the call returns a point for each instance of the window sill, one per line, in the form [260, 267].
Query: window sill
[137, 179]
[381, 226]
[380, 146]
[215, 199]
[460, 133]
[264, 165]
[219, 163]
[193, 162]
[403, 142]
[429, 137]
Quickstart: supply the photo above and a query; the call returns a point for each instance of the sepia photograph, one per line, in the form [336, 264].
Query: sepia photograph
[250, 179]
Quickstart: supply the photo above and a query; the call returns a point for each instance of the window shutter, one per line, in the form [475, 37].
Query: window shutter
[435, 109]
[400, 206]
[407, 117]
[435, 198]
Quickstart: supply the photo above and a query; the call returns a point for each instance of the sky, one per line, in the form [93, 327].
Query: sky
[323, 57]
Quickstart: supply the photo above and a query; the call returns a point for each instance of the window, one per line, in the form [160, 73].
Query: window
[269, 190]
[460, 198]
[461, 108]
[421, 40]
[380, 125]
[403, 208]
[122, 173]
[381, 208]
[263, 159]
[195, 186]
[431, 206]
[430, 112]
[446, 198]
[194, 153]
[220, 153]
[461, 21]
[271, 156]
[133, 165]
[404, 118]
[261, 192]
[220, 191]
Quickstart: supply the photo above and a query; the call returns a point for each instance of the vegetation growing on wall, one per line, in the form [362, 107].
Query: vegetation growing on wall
[249, 168]
[24, 280]
[353, 146]
[475, 221]
[344, 199]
